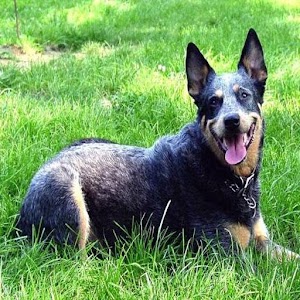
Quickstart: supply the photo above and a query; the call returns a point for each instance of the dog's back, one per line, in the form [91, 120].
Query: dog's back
[91, 184]
[60, 191]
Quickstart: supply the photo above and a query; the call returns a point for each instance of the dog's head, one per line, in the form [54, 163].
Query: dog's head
[229, 105]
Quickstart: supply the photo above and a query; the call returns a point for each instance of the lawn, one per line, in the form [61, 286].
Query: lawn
[115, 69]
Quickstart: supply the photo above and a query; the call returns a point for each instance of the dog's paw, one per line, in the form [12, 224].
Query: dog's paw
[282, 254]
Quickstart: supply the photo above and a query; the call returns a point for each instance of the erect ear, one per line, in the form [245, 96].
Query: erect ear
[198, 71]
[252, 58]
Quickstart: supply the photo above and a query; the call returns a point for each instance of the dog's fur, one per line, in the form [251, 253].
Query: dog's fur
[207, 174]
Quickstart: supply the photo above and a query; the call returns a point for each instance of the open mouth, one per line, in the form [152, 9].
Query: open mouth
[235, 146]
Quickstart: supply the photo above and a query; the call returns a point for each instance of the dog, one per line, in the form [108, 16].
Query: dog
[203, 181]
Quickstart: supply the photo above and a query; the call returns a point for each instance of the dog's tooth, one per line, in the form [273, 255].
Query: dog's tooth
[245, 138]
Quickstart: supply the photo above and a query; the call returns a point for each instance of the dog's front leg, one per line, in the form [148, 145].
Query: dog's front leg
[265, 245]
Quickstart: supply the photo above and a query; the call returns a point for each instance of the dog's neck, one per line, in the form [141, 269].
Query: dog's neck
[242, 186]
[246, 168]
[239, 181]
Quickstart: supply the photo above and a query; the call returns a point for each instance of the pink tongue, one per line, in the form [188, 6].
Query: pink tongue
[236, 151]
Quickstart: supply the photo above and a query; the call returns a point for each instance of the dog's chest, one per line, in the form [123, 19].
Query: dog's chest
[235, 198]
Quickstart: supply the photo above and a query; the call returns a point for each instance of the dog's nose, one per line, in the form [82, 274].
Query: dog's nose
[232, 121]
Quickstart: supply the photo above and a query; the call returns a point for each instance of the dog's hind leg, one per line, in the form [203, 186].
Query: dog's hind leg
[265, 245]
[54, 207]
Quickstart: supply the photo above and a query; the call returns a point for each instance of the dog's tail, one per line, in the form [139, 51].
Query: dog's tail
[54, 208]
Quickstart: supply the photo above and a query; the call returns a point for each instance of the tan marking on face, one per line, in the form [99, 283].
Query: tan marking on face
[236, 88]
[212, 143]
[219, 93]
[246, 167]
[245, 121]
[240, 233]
[84, 226]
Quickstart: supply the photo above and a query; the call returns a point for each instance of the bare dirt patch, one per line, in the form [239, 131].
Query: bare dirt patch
[16, 55]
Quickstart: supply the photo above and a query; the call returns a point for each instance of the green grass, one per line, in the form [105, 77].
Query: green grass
[107, 83]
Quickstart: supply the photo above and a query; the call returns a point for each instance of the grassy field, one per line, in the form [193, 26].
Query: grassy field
[115, 69]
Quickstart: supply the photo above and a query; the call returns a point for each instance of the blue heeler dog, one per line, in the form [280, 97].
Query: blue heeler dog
[206, 175]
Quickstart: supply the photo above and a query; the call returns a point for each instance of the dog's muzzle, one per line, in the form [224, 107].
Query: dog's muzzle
[234, 143]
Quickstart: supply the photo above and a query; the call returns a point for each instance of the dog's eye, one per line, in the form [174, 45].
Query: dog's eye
[214, 101]
[244, 95]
